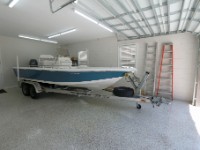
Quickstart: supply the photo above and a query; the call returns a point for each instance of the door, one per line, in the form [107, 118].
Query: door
[1, 72]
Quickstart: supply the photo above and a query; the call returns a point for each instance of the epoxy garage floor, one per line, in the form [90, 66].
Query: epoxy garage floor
[62, 122]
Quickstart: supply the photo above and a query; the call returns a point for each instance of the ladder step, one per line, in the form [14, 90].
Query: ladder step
[167, 51]
[166, 72]
[167, 58]
[164, 81]
[168, 93]
[163, 87]
[167, 64]
[164, 78]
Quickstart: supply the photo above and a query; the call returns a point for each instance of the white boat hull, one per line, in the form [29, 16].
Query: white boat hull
[91, 78]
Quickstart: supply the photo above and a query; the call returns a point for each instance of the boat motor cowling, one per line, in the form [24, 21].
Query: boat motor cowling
[33, 63]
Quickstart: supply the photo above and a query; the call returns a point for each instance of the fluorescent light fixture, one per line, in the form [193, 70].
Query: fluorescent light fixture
[37, 39]
[66, 32]
[12, 3]
[85, 16]
[49, 41]
[76, 1]
[62, 33]
[29, 37]
[55, 35]
[92, 20]
[103, 26]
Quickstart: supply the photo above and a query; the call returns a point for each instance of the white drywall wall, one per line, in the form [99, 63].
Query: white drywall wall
[104, 52]
[185, 50]
[23, 48]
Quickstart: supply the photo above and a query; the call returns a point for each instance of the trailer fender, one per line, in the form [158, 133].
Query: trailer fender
[36, 85]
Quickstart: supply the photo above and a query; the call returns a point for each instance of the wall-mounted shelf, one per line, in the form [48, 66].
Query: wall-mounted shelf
[127, 55]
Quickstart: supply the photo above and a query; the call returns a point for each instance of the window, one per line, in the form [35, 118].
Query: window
[127, 55]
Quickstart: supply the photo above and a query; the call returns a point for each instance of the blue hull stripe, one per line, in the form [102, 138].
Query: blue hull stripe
[60, 76]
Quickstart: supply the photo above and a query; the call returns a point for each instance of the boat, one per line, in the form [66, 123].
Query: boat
[60, 72]
[57, 75]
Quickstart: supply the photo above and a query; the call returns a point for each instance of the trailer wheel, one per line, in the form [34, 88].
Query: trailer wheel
[26, 89]
[33, 93]
[123, 91]
[139, 106]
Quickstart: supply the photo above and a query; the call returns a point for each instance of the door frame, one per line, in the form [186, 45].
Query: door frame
[1, 70]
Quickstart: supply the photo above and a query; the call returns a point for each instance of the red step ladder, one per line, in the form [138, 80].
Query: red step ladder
[165, 79]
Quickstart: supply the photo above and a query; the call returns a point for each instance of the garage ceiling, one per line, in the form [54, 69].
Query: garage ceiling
[129, 19]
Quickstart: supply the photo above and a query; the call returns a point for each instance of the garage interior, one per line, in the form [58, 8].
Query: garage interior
[110, 33]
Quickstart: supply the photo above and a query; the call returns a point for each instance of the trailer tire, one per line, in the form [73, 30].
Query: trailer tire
[123, 91]
[33, 93]
[138, 106]
[25, 89]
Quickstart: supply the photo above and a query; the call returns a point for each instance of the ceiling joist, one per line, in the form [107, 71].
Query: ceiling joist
[138, 19]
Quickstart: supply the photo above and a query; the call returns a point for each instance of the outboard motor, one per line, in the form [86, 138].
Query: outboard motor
[33, 63]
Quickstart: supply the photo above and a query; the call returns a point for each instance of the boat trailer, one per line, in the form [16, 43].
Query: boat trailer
[33, 89]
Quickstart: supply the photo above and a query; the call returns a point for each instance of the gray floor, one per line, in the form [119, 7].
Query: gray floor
[67, 122]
